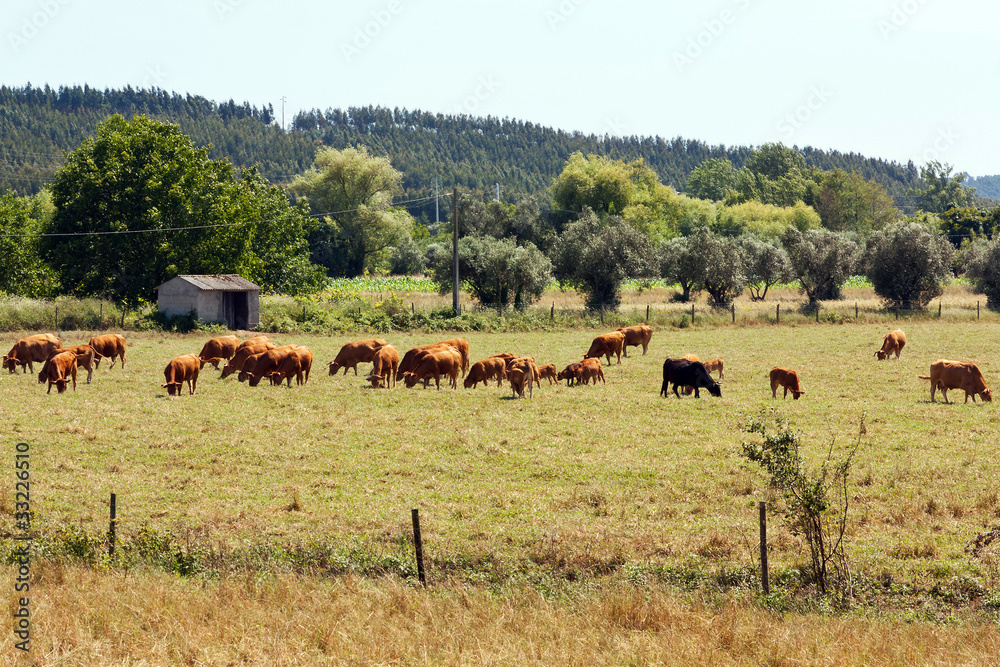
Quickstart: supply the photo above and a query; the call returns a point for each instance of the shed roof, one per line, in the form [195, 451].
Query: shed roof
[219, 283]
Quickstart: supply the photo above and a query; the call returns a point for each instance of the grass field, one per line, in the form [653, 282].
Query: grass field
[581, 496]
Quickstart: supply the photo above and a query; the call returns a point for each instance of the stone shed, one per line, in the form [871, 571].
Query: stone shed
[230, 299]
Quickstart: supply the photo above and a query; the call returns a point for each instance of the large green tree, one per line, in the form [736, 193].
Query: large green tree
[848, 203]
[940, 190]
[22, 271]
[139, 203]
[907, 263]
[353, 192]
[713, 179]
[822, 261]
[499, 272]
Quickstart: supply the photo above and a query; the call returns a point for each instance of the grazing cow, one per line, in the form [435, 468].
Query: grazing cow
[56, 370]
[690, 357]
[606, 345]
[635, 336]
[356, 352]
[243, 353]
[433, 364]
[30, 349]
[384, 366]
[591, 369]
[684, 372]
[893, 342]
[414, 354]
[84, 359]
[265, 364]
[789, 379]
[217, 349]
[715, 365]
[571, 373]
[462, 346]
[108, 345]
[481, 371]
[256, 340]
[298, 363]
[510, 363]
[518, 376]
[548, 372]
[180, 370]
[962, 375]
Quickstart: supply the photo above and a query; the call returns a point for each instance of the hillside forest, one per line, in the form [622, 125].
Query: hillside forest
[147, 184]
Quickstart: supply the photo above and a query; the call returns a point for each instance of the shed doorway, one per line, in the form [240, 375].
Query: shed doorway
[236, 309]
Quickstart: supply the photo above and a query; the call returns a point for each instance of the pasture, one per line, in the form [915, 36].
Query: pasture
[579, 487]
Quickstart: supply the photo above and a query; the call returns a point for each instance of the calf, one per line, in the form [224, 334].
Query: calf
[789, 379]
[484, 370]
[548, 372]
[591, 369]
[108, 345]
[180, 370]
[28, 350]
[962, 375]
[892, 342]
[433, 364]
[243, 353]
[682, 373]
[57, 368]
[521, 371]
[607, 345]
[267, 364]
[384, 366]
[356, 352]
[84, 359]
[218, 349]
[298, 363]
[571, 373]
[635, 336]
[715, 365]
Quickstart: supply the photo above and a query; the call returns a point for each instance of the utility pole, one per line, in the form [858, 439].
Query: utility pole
[454, 224]
[498, 192]
[437, 211]
[283, 113]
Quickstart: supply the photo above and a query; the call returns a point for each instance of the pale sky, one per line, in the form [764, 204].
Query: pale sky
[896, 79]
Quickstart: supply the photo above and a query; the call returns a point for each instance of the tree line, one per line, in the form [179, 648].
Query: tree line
[140, 202]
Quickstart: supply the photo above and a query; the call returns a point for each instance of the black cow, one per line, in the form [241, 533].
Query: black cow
[683, 373]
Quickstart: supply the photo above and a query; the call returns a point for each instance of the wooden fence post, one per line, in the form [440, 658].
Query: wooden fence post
[112, 526]
[764, 579]
[977, 310]
[939, 310]
[855, 310]
[817, 312]
[692, 313]
[552, 311]
[734, 313]
[418, 546]
[647, 312]
[777, 314]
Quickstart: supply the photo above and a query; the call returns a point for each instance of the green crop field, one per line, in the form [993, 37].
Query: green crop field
[578, 481]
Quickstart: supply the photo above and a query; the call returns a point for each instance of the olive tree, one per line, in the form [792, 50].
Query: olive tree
[499, 272]
[765, 265]
[680, 263]
[595, 256]
[724, 276]
[983, 268]
[821, 260]
[907, 263]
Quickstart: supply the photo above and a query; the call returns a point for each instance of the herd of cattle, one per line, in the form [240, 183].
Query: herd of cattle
[258, 358]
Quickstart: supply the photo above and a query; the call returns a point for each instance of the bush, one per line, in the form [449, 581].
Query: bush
[982, 261]
[407, 259]
[498, 272]
[766, 265]
[907, 263]
[821, 260]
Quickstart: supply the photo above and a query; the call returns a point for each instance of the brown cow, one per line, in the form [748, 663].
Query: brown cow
[484, 370]
[217, 349]
[256, 340]
[518, 376]
[893, 342]
[510, 363]
[571, 373]
[30, 349]
[57, 368]
[108, 345]
[384, 366]
[962, 375]
[635, 336]
[265, 364]
[356, 352]
[462, 346]
[433, 364]
[606, 345]
[414, 354]
[298, 363]
[549, 372]
[242, 354]
[715, 365]
[180, 370]
[591, 369]
[789, 379]
[84, 359]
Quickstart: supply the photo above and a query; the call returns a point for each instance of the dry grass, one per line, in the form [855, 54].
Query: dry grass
[92, 619]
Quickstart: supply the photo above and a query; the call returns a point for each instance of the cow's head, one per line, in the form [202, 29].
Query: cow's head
[880, 354]
[376, 380]
[467, 383]
[334, 367]
[986, 395]
[715, 390]
[10, 362]
[796, 393]
[61, 385]
[172, 388]
[42, 375]
[410, 379]
[227, 370]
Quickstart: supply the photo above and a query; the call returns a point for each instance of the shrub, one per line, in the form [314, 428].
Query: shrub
[821, 261]
[498, 272]
[982, 261]
[907, 263]
[766, 265]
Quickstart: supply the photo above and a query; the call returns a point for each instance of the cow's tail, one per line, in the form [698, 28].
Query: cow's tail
[923, 377]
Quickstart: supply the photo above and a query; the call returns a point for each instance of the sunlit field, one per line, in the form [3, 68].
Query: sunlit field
[580, 496]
